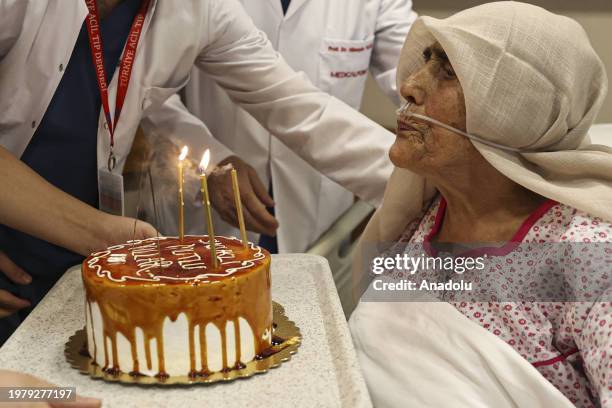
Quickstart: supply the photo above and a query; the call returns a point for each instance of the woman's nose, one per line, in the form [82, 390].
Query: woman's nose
[413, 90]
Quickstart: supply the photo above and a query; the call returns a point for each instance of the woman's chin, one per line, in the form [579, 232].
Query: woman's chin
[404, 153]
[395, 156]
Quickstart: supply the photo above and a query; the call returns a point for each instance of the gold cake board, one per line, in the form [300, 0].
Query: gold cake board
[278, 354]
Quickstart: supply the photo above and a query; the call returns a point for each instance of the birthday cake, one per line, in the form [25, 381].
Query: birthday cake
[157, 307]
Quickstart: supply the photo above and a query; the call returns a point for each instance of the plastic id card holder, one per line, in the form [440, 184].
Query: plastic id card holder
[110, 192]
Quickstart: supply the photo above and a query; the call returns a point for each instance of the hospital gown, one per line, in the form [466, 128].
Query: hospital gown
[567, 339]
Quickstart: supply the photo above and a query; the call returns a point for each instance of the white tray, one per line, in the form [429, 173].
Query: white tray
[324, 372]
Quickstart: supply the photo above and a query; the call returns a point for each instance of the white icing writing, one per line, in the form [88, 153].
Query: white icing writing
[189, 258]
[146, 254]
[117, 258]
[147, 257]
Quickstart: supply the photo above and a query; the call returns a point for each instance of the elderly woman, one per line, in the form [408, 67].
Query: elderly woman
[492, 147]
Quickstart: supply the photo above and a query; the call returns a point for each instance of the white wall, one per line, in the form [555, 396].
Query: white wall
[594, 15]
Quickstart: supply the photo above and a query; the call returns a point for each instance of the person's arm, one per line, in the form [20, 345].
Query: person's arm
[395, 17]
[30, 204]
[331, 136]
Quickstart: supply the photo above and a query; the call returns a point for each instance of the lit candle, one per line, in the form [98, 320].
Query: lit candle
[207, 208]
[243, 234]
[181, 202]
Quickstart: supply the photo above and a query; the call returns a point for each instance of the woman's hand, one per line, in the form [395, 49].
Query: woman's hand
[254, 196]
[10, 303]
[14, 379]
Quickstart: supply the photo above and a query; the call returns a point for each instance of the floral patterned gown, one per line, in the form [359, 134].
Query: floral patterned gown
[565, 329]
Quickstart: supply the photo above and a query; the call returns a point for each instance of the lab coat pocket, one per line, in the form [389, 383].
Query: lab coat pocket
[344, 68]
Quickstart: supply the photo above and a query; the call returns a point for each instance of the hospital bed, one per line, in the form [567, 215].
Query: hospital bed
[601, 133]
[338, 245]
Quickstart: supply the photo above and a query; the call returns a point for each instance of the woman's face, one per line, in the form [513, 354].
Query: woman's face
[434, 91]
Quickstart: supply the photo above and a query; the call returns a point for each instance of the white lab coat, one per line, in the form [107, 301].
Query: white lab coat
[310, 37]
[37, 38]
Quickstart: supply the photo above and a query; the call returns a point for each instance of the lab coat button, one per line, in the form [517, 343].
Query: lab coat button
[61, 67]
[33, 124]
[105, 125]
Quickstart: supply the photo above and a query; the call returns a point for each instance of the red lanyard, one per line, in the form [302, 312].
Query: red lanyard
[125, 69]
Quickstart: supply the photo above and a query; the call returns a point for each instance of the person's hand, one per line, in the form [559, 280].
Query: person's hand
[116, 230]
[253, 194]
[123, 229]
[10, 303]
[15, 379]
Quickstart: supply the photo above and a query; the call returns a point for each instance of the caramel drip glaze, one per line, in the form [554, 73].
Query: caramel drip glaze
[240, 287]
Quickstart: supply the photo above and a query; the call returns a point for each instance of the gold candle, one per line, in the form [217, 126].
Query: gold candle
[243, 234]
[207, 208]
[181, 201]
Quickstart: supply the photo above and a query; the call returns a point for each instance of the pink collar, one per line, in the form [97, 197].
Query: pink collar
[494, 251]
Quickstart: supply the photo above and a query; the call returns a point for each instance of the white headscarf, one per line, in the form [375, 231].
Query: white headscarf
[531, 80]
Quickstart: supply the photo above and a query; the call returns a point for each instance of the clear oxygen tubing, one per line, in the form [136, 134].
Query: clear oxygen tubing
[405, 112]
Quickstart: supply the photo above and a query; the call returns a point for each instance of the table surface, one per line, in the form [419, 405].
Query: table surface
[324, 372]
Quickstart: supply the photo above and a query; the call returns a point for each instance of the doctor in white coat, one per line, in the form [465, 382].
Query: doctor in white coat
[335, 43]
[40, 41]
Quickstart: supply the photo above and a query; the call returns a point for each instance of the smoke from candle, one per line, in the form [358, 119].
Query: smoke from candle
[181, 194]
[162, 153]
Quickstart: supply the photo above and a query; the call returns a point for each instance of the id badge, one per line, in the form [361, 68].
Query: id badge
[110, 192]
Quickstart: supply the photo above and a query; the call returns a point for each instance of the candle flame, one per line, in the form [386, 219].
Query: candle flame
[184, 152]
[205, 161]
